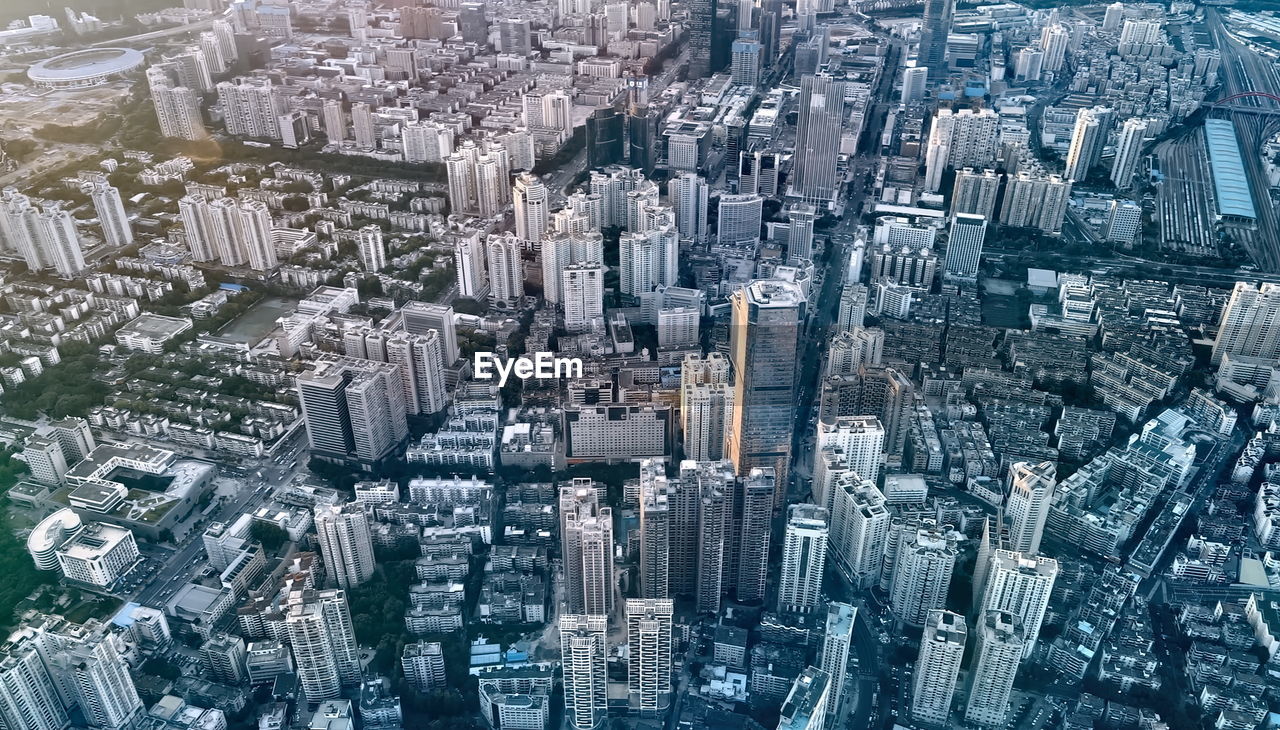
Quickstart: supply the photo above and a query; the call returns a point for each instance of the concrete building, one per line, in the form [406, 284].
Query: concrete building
[922, 571]
[834, 657]
[649, 655]
[345, 543]
[324, 643]
[937, 667]
[806, 705]
[586, 530]
[804, 558]
[582, 658]
[1027, 507]
[1000, 638]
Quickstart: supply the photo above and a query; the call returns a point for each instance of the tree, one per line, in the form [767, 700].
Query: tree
[271, 536]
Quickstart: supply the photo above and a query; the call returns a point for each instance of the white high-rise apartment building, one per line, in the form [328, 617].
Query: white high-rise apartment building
[688, 194]
[582, 658]
[926, 557]
[1128, 152]
[1030, 496]
[323, 639]
[1020, 585]
[915, 80]
[1000, 639]
[964, 245]
[426, 141]
[469, 257]
[975, 192]
[479, 178]
[806, 706]
[373, 250]
[1087, 140]
[532, 208]
[1035, 201]
[561, 249]
[362, 125]
[506, 269]
[197, 223]
[852, 350]
[104, 689]
[853, 307]
[421, 358]
[648, 260]
[678, 327]
[1140, 31]
[177, 107]
[706, 416]
[1250, 323]
[649, 655]
[58, 242]
[834, 657]
[658, 502]
[1115, 14]
[800, 220]
[860, 438]
[1054, 40]
[859, 527]
[583, 292]
[28, 696]
[334, 121]
[253, 221]
[804, 558]
[937, 666]
[960, 139]
[586, 534]
[251, 107]
[110, 210]
[345, 543]
[740, 218]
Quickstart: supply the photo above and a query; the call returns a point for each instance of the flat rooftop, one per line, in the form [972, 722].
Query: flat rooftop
[156, 326]
[1230, 183]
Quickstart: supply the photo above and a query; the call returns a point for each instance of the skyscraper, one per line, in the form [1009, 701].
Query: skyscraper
[343, 533]
[706, 406]
[926, 557]
[58, 242]
[372, 249]
[745, 68]
[915, 80]
[937, 666]
[324, 643]
[658, 501]
[1087, 140]
[763, 348]
[469, 259]
[582, 286]
[714, 539]
[702, 32]
[1021, 585]
[28, 696]
[1249, 324]
[506, 269]
[853, 307]
[975, 192]
[586, 534]
[754, 501]
[817, 140]
[251, 107]
[860, 439]
[111, 215]
[834, 656]
[859, 527]
[1030, 496]
[1128, 152]
[531, 208]
[353, 409]
[960, 139]
[806, 705]
[933, 35]
[804, 558]
[649, 655]
[800, 220]
[964, 245]
[582, 657]
[177, 107]
[649, 259]
[1035, 201]
[995, 665]
[688, 194]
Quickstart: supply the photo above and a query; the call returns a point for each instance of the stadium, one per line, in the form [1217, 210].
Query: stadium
[84, 69]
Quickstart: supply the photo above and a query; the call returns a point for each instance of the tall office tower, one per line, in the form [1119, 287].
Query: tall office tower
[366, 133]
[745, 65]
[373, 250]
[469, 259]
[58, 241]
[28, 694]
[833, 658]
[223, 656]
[606, 136]
[745, 10]
[110, 211]
[532, 208]
[740, 219]
[853, 307]
[658, 499]
[975, 192]
[754, 501]
[1114, 15]
[586, 536]
[1248, 325]
[1128, 152]
[648, 260]
[859, 527]
[915, 81]
[649, 655]
[770, 30]
[1031, 201]
[583, 292]
[706, 416]
[345, 544]
[1124, 220]
[933, 684]
[800, 219]
[702, 34]
[582, 657]
[421, 317]
[806, 705]
[818, 130]
[1030, 496]
[353, 409]
[964, 245]
[335, 122]
[1087, 140]
[324, 643]
[713, 502]
[91, 669]
[860, 439]
[1000, 638]
[423, 665]
[422, 363]
[506, 269]
[473, 26]
[934, 30]
[1019, 584]
[688, 194]
[804, 558]
[922, 572]
[514, 36]
[251, 107]
[177, 107]
[958, 140]
[1054, 40]
[764, 344]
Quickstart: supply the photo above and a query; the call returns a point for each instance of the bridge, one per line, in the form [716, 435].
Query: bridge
[1225, 104]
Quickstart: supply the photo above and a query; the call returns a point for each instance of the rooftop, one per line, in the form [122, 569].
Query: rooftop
[1230, 183]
